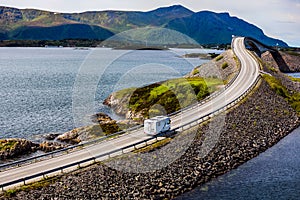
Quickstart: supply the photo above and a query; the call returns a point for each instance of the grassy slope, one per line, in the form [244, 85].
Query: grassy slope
[294, 79]
[172, 95]
[276, 85]
[7, 144]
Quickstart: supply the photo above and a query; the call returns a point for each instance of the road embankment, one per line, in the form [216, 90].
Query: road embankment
[258, 123]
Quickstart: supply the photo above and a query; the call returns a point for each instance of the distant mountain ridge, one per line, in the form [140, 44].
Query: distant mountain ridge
[205, 27]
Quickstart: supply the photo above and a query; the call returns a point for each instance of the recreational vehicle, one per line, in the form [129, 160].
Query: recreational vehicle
[156, 125]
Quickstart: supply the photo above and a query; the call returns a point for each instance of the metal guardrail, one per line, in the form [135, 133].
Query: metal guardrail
[60, 151]
[43, 174]
[182, 127]
[35, 158]
[173, 131]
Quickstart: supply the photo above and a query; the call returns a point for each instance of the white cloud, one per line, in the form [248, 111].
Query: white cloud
[266, 14]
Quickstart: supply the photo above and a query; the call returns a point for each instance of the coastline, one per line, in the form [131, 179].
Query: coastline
[232, 149]
[255, 125]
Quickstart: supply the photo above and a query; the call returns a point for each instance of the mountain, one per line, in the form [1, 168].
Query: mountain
[33, 24]
[205, 27]
[214, 28]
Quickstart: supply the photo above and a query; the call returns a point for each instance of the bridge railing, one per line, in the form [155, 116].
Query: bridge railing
[121, 150]
[183, 127]
[70, 148]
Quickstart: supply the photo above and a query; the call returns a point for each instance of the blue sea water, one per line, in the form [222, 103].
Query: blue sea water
[36, 84]
[274, 174]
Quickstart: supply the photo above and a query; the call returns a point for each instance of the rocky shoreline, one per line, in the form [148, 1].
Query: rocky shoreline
[256, 124]
[14, 147]
[250, 128]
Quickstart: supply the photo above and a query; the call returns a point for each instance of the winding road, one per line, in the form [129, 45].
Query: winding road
[246, 78]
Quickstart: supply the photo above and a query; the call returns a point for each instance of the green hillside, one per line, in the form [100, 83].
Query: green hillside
[204, 27]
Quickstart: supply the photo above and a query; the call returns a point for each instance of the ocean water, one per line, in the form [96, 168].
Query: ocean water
[37, 84]
[274, 174]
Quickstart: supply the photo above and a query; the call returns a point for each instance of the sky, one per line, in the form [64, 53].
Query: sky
[278, 18]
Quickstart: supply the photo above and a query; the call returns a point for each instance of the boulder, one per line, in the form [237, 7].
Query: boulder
[10, 148]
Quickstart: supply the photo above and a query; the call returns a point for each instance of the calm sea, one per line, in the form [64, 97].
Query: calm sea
[37, 83]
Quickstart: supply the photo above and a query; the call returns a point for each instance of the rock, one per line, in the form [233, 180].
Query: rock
[86, 133]
[51, 136]
[51, 146]
[70, 136]
[236, 145]
[119, 105]
[127, 121]
[10, 148]
[102, 118]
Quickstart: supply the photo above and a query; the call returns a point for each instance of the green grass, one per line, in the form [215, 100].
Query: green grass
[294, 79]
[32, 186]
[195, 71]
[7, 144]
[171, 95]
[153, 146]
[220, 57]
[276, 85]
[224, 65]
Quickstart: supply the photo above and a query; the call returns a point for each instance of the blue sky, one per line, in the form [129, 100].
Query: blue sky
[278, 18]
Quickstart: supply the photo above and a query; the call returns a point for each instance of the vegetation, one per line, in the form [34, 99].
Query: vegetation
[219, 57]
[171, 95]
[55, 43]
[273, 69]
[195, 71]
[294, 79]
[276, 85]
[224, 65]
[35, 185]
[154, 146]
[7, 144]
[201, 55]
[293, 53]
[26, 24]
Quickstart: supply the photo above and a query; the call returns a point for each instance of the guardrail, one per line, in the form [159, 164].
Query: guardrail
[43, 174]
[67, 149]
[51, 154]
[213, 95]
[173, 131]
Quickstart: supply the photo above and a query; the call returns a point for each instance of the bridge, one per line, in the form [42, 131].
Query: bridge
[234, 92]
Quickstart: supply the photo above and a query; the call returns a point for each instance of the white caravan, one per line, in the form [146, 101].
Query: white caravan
[157, 125]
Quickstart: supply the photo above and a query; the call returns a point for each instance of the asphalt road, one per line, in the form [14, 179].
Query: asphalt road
[246, 78]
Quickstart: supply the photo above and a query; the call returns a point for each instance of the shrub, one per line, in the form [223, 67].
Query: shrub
[195, 71]
[219, 57]
[224, 65]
